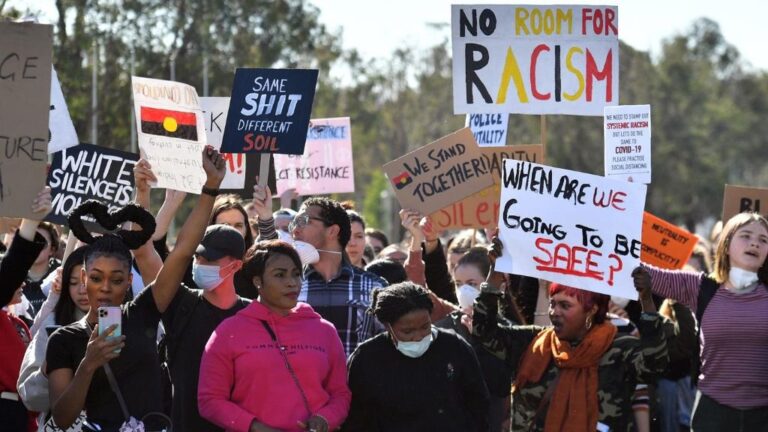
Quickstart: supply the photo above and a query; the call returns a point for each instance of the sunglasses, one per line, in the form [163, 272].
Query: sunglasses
[302, 220]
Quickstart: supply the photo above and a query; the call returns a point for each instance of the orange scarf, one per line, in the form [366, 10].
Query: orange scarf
[573, 406]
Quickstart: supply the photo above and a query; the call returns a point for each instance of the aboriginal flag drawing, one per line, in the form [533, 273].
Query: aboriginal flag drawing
[169, 123]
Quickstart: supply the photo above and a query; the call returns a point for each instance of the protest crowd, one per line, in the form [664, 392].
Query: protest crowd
[558, 305]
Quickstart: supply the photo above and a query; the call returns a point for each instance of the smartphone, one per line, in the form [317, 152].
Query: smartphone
[109, 316]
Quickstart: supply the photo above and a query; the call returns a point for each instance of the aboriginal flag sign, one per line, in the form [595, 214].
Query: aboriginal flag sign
[174, 124]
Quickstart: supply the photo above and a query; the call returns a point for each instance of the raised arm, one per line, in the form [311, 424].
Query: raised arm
[24, 249]
[435, 266]
[682, 286]
[170, 276]
[650, 357]
[171, 205]
[262, 202]
[506, 343]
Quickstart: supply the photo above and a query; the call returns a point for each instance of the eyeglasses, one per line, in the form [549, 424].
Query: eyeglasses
[302, 220]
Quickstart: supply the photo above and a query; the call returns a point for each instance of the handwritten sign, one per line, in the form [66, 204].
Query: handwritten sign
[62, 130]
[737, 199]
[87, 172]
[25, 92]
[215, 116]
[490, 130]
[326, 166]
[628, 143]
[481, 210]
[569, 227]
[439, 173]
[665, 244]
[535, 59]
[171, 132]
[269, 111]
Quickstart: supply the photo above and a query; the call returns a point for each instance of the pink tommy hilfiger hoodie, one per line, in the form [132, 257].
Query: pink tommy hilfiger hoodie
[244, 377]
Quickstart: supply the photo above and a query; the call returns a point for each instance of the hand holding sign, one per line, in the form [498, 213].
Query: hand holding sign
[42, 204]
[262, 200]
[410, 220]
[143, 175]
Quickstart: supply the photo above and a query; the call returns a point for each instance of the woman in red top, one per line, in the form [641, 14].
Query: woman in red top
[14, 333]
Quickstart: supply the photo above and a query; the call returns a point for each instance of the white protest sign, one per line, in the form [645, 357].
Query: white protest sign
[63, 134]
[171, 132]
[326, 166]
[628, 143]
[564, 226]
[535, 59]
[215, 116]
[490, 130]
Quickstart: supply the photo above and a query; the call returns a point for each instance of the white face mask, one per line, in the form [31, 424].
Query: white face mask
[742, 280]
[207, 277]
[620, 301]
[467, 295]
[307, 253]
[415, 349]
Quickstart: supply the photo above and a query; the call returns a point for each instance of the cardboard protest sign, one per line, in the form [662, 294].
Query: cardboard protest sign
[490, 130]
[628, 143]
[25, 92]
[88, 172]
[439, 173]
[665, 244]
[215, 116]
[62, 130]
[269, 111]
[171, 132]
[481, 210]
[326, 166]
[570, 227]
[737, 199]
[535, 59]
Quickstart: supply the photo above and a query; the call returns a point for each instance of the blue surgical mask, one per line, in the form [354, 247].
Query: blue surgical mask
[207, 277]
[415, 349]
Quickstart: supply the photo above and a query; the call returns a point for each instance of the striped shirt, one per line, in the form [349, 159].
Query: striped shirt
[734, 338]
[343, 301]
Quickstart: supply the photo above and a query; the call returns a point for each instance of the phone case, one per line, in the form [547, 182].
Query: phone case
[108, 316]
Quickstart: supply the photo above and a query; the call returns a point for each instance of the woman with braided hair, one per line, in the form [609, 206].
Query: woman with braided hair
[77, 353]
[414, 377]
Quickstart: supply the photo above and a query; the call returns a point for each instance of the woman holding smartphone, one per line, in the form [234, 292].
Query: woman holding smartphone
[77, 353]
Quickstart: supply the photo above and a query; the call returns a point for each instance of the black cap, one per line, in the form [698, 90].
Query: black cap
[220, 241]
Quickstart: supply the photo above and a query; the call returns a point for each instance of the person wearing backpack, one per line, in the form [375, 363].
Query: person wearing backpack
[730, 307]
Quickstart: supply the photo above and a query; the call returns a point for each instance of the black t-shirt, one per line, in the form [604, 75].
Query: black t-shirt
[186, 352]
[443, 390]
[33, 288]
[137, 370]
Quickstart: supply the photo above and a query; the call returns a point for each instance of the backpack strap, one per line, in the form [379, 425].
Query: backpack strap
[707, 290]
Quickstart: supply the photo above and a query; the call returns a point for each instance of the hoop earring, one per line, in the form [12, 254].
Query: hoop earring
[589, 322]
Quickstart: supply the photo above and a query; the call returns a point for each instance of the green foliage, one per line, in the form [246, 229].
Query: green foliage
[708, 109]
[372, 205]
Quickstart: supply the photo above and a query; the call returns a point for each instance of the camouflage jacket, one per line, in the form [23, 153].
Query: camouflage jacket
[628, 361]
